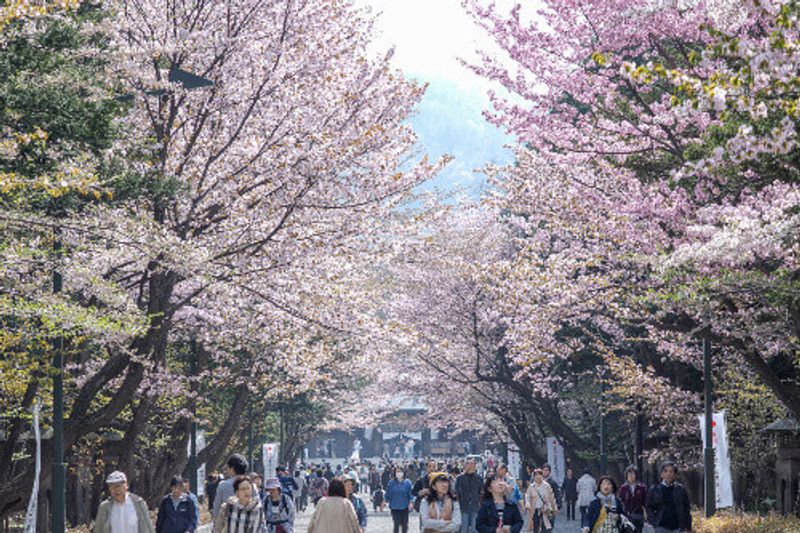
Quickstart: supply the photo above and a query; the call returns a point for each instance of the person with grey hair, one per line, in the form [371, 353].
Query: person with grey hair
[668, 506]
[123, 512]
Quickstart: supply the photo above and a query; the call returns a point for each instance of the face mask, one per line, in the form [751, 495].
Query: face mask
[399, 475]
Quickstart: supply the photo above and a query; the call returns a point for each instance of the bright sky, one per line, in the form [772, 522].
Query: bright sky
[429, 36]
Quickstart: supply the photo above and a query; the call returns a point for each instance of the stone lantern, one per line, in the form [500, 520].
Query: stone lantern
[787, 465]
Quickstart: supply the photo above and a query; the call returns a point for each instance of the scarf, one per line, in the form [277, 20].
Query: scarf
[607, 501]
[243, 518]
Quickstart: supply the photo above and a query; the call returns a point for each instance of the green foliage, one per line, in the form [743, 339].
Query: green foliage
[58, 120]
[58, 110]
[750, 407]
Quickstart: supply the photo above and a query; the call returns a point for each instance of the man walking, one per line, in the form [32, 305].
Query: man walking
[123, 512]
[187, 489]
[570, 493]
[177, 512]
[668, 508]
[547, 471]
[236, 466]
[468, 491]
[513, 493]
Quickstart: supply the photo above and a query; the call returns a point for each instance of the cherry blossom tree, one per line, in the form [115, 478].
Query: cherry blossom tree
[669, 128]
[240, 220]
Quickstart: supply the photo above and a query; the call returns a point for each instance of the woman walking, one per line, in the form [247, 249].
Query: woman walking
[633, 495]
[399, 496]
[605, 513]
[570, 493]
[279, 510]
[439, 510]
[242, 513]
[497, 514]
[541, 503]
[334, 513]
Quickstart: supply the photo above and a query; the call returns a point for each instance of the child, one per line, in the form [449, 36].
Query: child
[377, 500]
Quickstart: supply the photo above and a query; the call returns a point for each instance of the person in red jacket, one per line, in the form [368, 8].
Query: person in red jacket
[633, 495]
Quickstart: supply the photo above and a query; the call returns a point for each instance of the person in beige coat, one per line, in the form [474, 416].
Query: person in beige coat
[540, 503]
[123, 512]
[334, 513]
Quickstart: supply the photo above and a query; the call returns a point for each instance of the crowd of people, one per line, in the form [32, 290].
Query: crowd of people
[455, 496]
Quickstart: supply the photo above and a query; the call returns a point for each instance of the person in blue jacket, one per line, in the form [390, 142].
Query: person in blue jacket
[187, 490]
[398, 494]
[497, 513]
[177, 512]
[606, 511]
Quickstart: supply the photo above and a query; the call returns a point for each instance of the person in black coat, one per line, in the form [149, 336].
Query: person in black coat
[570, 493]
[422, 485]
[212, 481]
[667, 503]
[495, 506]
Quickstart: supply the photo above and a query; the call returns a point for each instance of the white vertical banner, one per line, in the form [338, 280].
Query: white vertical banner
[30, 515]
[201, 470]
[270, 454]
[722, 459]
[556, 460]
[514, 462]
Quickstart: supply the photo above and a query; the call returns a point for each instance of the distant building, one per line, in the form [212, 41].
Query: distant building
[400, 438]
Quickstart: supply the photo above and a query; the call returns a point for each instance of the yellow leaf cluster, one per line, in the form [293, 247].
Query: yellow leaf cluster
[13, 10]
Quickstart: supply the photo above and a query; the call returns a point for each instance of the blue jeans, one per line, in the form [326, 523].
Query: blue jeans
[468, 521]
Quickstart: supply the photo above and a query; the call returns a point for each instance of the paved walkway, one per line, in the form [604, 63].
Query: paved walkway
[382, 522]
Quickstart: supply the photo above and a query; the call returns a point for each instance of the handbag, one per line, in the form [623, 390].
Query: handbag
[625, 525]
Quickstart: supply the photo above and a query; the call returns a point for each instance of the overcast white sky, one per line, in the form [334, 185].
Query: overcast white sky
[429, 36]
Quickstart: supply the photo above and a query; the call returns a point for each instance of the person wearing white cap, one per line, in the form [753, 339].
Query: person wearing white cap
[123, 512]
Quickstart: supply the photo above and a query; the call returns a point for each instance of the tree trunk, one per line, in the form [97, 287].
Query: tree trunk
[214, 451]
